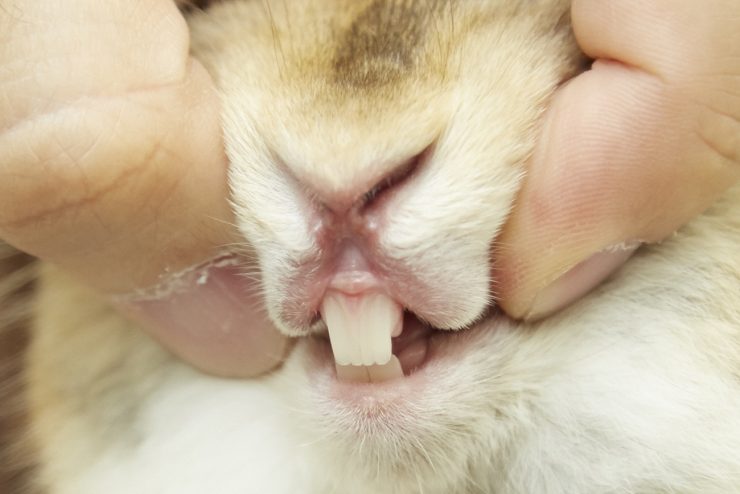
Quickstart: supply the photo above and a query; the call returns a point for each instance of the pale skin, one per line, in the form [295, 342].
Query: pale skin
[112, 165]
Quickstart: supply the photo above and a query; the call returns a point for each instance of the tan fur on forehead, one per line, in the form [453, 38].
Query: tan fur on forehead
[368, 57]
[384, 42]
[367, 45]
[371, 62]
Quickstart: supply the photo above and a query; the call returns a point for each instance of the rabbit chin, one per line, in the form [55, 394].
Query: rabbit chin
[374, 436]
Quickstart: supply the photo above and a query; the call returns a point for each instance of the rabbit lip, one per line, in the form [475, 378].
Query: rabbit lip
[352, 267]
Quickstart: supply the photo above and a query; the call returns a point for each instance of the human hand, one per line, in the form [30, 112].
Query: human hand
[112, 167]
[629, 151]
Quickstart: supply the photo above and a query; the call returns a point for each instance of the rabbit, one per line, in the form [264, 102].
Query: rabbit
[376, 148]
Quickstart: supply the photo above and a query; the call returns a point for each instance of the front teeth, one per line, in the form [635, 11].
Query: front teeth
[361, 327]
[371, 373]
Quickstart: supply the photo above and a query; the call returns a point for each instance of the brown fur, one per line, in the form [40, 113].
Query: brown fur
[17, 273]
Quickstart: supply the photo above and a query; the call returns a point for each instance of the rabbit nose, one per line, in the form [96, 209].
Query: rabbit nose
[360, 193]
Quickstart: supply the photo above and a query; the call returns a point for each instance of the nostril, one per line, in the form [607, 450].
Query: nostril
[395, 178]
[340, 193]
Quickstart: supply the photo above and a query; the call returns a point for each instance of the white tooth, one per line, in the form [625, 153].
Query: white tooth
[398, 328]
[353, 373]
[386, 372]
[367, 334]
[361, 326]
[335, 317]
[385, 317]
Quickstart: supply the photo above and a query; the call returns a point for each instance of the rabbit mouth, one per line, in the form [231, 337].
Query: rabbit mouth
[407, 350]
[380, 348]
[378, 325]
[426, 357]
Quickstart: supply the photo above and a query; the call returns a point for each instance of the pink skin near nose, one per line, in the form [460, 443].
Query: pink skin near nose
[353, 274]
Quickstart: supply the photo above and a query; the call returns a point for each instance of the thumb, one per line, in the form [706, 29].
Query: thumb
[618, 163]
[113, 168]
[629, 151]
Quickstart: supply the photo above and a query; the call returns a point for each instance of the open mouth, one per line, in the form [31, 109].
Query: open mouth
[372, 337]
[380, 316]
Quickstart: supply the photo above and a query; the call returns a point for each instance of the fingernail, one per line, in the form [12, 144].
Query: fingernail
[578, 280]
[211, 316]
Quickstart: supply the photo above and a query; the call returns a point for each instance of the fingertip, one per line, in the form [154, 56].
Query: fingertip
[586, 189]
[578, 281]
